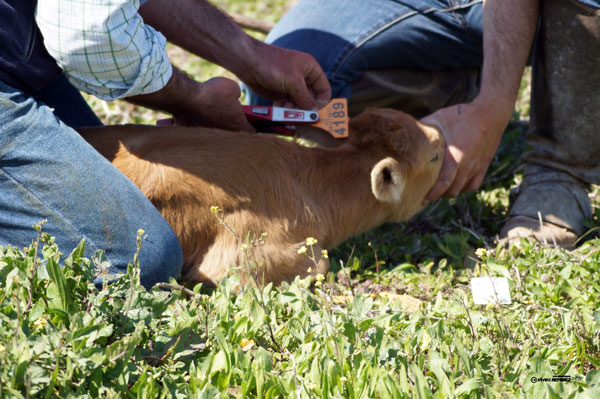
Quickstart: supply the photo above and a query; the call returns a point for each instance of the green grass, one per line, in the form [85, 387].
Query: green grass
[342, 337]
[351, 335]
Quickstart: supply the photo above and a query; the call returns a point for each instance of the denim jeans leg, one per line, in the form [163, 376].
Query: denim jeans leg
[351, 37]
[47, 171]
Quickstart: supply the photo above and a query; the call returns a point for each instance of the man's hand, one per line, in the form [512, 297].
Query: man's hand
[472, 136]
[289, 78]
[284, 76]
[214, 103]
[473, 131]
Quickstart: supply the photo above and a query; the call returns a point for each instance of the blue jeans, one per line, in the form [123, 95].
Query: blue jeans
[591, 3]
[352, 37]
[47, 171]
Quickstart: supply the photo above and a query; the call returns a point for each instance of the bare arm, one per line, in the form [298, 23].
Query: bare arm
[214, 103]
[276, 73]
[473, 131]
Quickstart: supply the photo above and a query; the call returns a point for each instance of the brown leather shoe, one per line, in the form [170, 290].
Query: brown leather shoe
[545, 233]
[550, 207]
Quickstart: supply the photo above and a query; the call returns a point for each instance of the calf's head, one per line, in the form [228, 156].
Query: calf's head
[407, 154]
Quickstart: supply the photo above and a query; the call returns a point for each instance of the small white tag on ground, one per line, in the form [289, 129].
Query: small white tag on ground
[490, 290]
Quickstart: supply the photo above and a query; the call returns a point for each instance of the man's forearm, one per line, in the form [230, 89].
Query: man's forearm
[176, 97]
[214, 103]
[473, 131]
[508, 31]
[284, 76]
[183, 23]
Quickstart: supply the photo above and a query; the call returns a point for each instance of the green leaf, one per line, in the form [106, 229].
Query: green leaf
[220, 362]
[597, 317]
[10, 279]
[59, 315]
[468, 386]
[389, 388]
[593, 378]
[365, 324]
[423, 390]
[404, 384]
[37, 311]
[222, 341]
[57, 276]
[498, 269]
[78, 252]
[592, 393]
[361, 306]
[438, 365]
[464, 357]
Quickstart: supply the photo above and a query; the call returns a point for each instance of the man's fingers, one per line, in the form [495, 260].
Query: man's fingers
[311, 89]
[439, 188]
[237, 120]
[463, 176]
[319, 85]
[245, 126]
[314, 79]
[447, 175]
[476, 181]
[302, 96]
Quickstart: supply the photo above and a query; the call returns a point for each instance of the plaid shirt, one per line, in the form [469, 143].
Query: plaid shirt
[104, 46]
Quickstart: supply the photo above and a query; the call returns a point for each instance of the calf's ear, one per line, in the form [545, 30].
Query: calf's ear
[387, 180]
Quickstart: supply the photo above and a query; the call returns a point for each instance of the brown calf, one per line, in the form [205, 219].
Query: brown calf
[264, 184]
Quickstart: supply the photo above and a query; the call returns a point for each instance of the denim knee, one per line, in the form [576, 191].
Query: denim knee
[351, 37]
[48, 171]
[161, 256]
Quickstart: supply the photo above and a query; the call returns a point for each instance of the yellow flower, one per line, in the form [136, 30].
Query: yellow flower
[215, 209]
[140, 232]
[39, 323]
[302, 250]
[244, 247]
[325, 253]
[319, 277]
[481, 252]
[309, 270]
[247, 344]
[311, 241]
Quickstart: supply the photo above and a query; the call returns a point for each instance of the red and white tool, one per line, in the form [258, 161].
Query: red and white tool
[333, 118]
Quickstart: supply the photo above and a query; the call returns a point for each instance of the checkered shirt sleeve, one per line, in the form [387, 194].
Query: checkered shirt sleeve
[104, 46]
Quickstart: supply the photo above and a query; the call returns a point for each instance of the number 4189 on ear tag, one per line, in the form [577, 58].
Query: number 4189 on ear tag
[334, 118]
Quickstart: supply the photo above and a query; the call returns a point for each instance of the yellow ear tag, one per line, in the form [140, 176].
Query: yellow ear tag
[333, 118]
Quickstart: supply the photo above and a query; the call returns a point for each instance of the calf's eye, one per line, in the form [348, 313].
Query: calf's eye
[435, 158]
